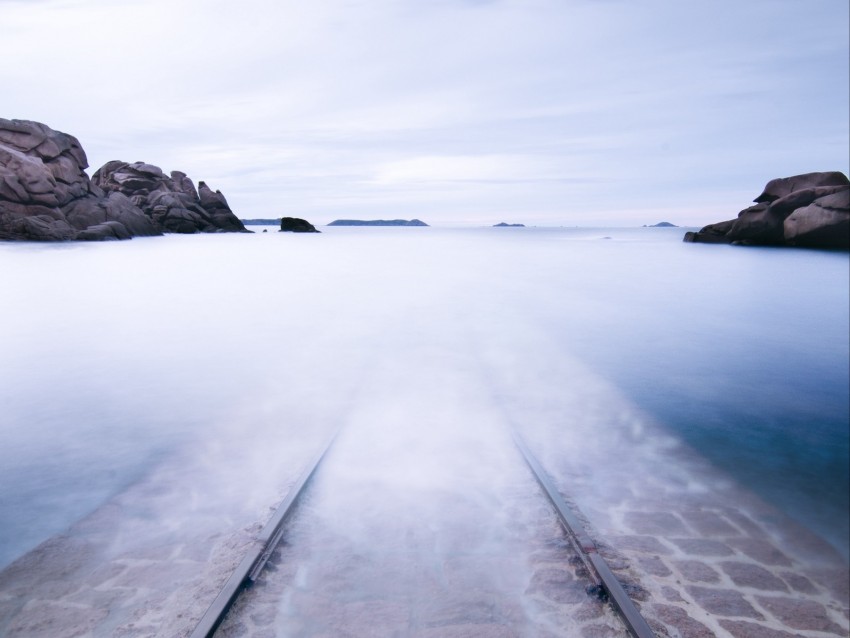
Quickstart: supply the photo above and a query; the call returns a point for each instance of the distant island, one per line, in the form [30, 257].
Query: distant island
[377, 222]
[261, 222]
[504, 225]
[661, 225]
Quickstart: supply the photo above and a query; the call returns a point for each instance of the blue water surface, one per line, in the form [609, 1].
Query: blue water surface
[117, 356]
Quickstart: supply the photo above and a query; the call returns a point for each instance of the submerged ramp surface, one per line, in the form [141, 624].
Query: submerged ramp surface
[179, 417]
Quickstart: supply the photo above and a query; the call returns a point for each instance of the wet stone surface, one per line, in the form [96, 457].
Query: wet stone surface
[708, 557]
[751, 575]
[435, 528]
[424, 559]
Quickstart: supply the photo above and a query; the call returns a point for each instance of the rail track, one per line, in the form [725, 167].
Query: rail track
[598, 571]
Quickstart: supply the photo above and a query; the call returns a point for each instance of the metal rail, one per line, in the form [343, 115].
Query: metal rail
[264, 544]
[598, 568]
[258, 555]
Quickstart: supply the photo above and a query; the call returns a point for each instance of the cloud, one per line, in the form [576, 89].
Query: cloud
[479, 104]
[463, 168]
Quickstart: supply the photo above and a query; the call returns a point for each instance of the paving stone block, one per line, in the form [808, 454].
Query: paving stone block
[696, 571]
[744, 522]
[680, 620]
[799, 583]
[671, 595]
[761, 550]
[803, 542]
[646, 544]
[557, 585]
[265, 615]
[600, 631]
[632, 587]
[46, 619]
[835, 579]
[702, 547]
[654, 565]
[744, 629]
[459, 631]
[660, 523]
[800, 614]
[364, 617]
[589, 610]
[751, 575]
[723, 602]
[709, 523]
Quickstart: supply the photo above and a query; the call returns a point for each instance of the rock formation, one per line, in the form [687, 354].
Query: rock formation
[45, 194]
[810, 210]
[171, 202]
[296, 225]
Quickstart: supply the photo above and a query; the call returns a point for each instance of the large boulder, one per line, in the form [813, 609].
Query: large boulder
[823, 223]
[782, 186]
[45, 194]
[171, 202]
[810, 210]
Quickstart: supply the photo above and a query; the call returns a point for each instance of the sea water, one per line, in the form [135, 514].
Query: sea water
[117, 357]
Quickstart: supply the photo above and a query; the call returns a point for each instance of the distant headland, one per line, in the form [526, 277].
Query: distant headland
[377, 222]
[661, 225]
[505, 225]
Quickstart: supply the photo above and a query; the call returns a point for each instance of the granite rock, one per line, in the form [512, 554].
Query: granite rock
[810, 210]
[46, 195]
[171, 202]
[42, 180]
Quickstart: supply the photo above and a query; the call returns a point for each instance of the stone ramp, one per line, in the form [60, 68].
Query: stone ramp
[427, 523]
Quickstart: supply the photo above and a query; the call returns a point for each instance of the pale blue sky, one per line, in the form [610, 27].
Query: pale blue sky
[546, 112]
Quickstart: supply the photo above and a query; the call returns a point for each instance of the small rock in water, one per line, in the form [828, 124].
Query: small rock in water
[296, 225]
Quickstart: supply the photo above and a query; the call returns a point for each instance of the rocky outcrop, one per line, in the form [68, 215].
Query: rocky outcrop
[45, 194]
[171, 202]
[296, 225]
[811, 210]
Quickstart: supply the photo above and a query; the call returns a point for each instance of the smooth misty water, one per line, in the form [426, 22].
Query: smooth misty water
[118, 356]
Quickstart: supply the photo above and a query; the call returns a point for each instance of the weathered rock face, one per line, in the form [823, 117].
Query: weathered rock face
[45, 194]
[811, 210]
[171, 202]
[296, 225]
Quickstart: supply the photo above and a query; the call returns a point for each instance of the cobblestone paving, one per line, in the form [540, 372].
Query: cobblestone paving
[150, 561]
[470, 555]
[700, 555]
[712, 569]
[419, 556]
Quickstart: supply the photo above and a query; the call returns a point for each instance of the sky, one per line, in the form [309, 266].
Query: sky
[456, 112]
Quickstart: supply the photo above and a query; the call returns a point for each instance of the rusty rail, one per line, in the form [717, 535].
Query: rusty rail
[586, 548]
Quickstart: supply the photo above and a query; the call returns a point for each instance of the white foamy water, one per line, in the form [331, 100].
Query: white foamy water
[230, 355]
